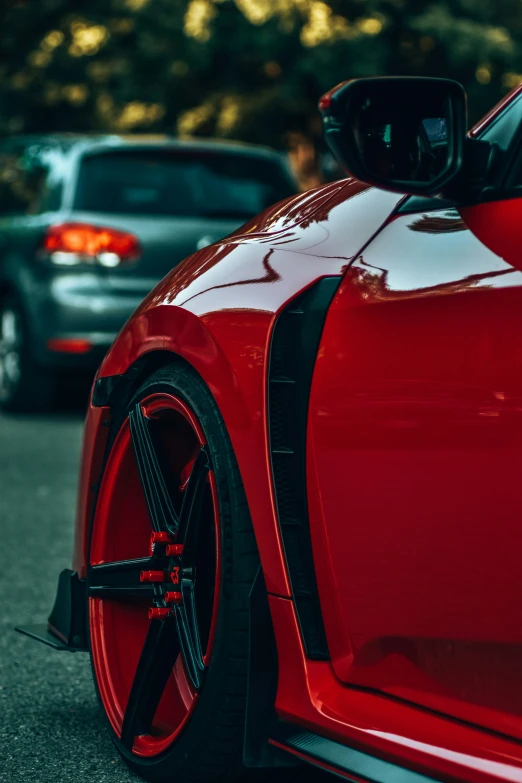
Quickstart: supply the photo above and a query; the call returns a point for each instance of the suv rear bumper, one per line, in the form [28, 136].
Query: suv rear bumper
[74, 319]
[70, 351]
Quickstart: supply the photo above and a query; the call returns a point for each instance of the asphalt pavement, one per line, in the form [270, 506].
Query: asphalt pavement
[51, 728]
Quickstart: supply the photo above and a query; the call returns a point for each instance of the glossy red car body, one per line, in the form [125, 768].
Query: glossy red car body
[413, 459]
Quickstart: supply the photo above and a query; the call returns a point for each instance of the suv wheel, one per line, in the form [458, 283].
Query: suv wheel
[23, 385]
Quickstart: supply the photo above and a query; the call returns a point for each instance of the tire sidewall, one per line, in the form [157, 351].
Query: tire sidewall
[11, 302]
[34, 389]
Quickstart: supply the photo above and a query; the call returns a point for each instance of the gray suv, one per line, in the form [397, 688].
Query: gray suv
[89, 225]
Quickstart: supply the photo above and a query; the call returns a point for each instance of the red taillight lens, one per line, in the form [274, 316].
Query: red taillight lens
[69, 345]
[75, 243]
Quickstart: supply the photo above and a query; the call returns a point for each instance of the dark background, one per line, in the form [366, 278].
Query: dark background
[242, 69]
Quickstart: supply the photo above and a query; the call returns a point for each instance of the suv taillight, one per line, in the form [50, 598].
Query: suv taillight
[70, 244]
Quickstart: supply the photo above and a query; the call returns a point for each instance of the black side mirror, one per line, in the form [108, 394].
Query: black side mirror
[399, 133]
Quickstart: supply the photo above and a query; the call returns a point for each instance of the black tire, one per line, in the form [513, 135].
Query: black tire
[23, 385]
[210, 747]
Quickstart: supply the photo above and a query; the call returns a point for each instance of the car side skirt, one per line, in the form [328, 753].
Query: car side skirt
[343, 761]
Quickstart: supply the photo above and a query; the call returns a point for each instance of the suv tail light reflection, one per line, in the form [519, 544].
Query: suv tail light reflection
[70, 244]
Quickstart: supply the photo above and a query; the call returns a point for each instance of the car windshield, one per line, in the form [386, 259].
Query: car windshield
[209, 184]
[501, 129]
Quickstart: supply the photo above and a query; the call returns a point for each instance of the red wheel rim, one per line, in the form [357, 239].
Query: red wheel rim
[154, 574]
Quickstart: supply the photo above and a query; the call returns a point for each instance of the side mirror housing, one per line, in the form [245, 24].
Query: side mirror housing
[404, 134]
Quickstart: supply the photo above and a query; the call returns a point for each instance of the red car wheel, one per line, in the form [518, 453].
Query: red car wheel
[161, 612]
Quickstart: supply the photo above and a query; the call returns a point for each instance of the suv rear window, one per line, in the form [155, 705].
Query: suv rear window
[210, 184]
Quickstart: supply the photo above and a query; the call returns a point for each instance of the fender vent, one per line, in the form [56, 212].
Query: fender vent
[295, 342]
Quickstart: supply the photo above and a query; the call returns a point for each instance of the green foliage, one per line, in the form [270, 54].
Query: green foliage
[250, 69]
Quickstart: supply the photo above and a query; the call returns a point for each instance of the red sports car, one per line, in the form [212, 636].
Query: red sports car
[300, 510]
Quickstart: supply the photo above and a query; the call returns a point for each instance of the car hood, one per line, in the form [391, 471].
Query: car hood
[334, 221]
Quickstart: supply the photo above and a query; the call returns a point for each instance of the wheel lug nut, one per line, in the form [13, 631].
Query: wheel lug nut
[159, 612]
[173, 598]
[152, 576]
[174, 550]
[159, 537]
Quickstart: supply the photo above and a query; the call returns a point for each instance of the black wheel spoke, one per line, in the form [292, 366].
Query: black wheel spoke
[155, 665]
[188, 633]
[192, 506]
[155, 488]
[121, 579]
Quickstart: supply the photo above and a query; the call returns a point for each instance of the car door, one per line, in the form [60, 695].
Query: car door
[414, 457]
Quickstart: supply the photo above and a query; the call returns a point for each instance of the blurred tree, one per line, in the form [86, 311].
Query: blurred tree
[247, 69]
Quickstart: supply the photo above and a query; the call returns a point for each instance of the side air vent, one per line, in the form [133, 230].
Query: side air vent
[295, 342]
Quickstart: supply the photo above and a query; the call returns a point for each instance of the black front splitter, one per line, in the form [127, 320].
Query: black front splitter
[66, 628]
[41, 633]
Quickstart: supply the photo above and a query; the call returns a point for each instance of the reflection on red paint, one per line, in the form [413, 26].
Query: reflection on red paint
[416, 425]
